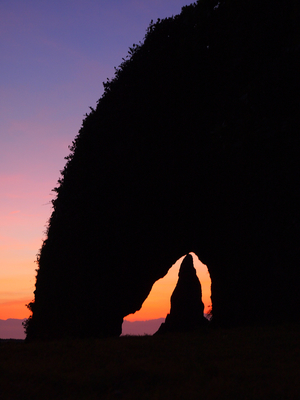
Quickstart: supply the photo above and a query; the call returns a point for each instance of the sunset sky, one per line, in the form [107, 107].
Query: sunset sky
[54, 57]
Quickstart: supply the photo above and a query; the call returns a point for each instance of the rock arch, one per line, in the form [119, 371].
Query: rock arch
[157, 304]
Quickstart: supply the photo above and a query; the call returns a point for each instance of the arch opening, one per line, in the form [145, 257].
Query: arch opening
[157, 304]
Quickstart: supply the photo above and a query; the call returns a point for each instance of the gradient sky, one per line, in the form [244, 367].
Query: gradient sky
[54, 57]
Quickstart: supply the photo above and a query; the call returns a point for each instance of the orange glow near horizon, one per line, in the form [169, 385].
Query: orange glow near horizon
[15, 293]
[15, 309]
[157, 304]
[19, 292]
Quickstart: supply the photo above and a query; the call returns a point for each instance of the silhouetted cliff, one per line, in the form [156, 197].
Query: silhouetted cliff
[194, 146]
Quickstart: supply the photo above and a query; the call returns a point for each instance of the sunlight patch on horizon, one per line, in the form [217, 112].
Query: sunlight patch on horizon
[15, 309]
[157, 304]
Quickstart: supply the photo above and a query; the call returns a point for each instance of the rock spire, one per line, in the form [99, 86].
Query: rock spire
[186, 301]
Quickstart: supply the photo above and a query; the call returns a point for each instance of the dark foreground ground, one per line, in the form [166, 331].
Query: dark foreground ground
[244, 363]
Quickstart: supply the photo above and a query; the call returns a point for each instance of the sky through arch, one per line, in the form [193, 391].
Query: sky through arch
[157, 304]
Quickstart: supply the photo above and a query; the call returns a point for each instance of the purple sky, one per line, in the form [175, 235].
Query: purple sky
[54, 57]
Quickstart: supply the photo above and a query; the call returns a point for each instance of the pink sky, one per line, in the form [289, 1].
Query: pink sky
[54, 57]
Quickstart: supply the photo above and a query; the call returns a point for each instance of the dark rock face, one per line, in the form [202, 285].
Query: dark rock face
[187, 308]
[194, 146]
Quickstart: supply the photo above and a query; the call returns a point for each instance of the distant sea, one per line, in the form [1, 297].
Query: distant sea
[13, 328]
[141, 327]
[148, 327]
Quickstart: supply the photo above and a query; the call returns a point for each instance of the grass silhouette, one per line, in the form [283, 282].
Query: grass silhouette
[240, 363]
